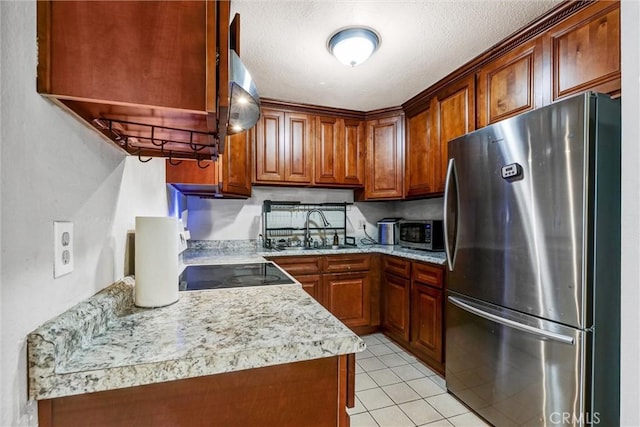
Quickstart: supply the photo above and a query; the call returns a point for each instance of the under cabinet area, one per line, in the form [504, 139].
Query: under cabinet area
[347, 285]
[229, 177]
[143, 73]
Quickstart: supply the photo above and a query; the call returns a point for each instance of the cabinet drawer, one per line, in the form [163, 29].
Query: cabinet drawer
[347, 263]
[427, 274]
[297, 265]
[398, 266]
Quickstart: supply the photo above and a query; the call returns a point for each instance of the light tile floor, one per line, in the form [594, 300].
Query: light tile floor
[395, 389]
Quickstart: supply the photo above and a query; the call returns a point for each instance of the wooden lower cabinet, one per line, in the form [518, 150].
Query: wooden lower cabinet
[413, 308]
[426, 321]
[308, 393]
[347, 296]
[395, 306]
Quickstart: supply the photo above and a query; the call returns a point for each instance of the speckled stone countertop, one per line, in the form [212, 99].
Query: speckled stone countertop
[105, 342]
[413, 254]
[235, 251]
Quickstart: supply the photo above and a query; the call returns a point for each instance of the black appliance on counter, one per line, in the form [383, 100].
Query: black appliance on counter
[425, 234]
[199, 277]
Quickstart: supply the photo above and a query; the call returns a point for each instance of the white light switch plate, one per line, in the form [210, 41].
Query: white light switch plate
[62, 248]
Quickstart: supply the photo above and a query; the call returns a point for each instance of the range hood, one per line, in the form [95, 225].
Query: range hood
[243, 109]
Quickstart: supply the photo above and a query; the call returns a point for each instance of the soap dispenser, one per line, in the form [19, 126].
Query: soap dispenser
[335, 238]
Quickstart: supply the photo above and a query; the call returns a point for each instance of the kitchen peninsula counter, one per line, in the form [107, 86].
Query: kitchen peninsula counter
[107, 343]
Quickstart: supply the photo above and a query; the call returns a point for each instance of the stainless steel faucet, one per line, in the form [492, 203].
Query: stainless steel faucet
[307, 234]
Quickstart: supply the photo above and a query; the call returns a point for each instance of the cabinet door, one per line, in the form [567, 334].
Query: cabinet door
[134, 52]
[395, 306]
[329, 167]
[298, 148]
[454, 107]
[426, 321]
[353, 156]
[385, 159]
[311, 284]
[422, 156]
[584, 51]
[270, 151]
[235, 170]
[510, 85]
[348, 297]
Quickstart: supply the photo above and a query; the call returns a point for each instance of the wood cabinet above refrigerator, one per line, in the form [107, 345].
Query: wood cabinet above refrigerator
[143, 73]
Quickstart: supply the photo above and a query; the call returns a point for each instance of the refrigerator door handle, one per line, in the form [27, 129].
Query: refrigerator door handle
[450, 182]
[510, 323]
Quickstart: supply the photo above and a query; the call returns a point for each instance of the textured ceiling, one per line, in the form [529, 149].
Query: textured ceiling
[283, 44]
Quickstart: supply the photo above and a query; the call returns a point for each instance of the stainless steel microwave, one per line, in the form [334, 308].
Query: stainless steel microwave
[426, 234]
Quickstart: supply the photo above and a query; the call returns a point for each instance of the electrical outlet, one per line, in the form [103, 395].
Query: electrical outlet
[62, 248]
[361, 224]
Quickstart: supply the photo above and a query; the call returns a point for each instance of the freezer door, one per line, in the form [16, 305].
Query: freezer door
[514, 369]
[518, 193]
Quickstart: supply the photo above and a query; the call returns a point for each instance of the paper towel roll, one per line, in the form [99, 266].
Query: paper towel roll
[156, 258]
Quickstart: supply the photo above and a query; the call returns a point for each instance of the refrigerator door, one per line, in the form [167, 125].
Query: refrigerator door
[515, 369]
[518, 188]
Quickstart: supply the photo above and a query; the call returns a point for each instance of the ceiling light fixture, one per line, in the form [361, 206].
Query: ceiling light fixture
[354, 45]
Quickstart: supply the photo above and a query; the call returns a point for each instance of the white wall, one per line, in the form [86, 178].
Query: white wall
[54, 168]
[630, 342]
[228, 219]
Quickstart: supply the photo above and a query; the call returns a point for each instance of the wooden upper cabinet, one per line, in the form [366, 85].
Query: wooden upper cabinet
[230, 176]
[454, 110]
[298, 148]
[339, 146]
[142, 73]
[353, 142]
[384, 172]
[422, 155]
[511, 84]
[584, 51]
[235, 176]
[269, 151]
[329, 167]
[284, 145]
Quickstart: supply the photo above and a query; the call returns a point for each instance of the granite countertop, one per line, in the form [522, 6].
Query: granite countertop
[238, 251]
[105, 342]
[413, 254]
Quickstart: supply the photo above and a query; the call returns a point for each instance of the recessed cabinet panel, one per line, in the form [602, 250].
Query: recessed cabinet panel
[235, 173]
[385, 159]
[298, 148]
[328, 151]
[270, 146]
[353, 132]
[511, 84]
[586, 51]
[422, 155]
[347, 296]
[455, 110]
[395, 317]
[426, 326]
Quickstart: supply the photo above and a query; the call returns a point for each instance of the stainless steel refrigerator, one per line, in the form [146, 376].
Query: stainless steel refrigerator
[532, 220]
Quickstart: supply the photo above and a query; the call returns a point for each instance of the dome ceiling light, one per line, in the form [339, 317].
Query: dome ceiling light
[354, 45]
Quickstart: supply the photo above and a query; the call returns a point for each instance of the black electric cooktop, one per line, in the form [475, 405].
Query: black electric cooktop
[198, 277]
